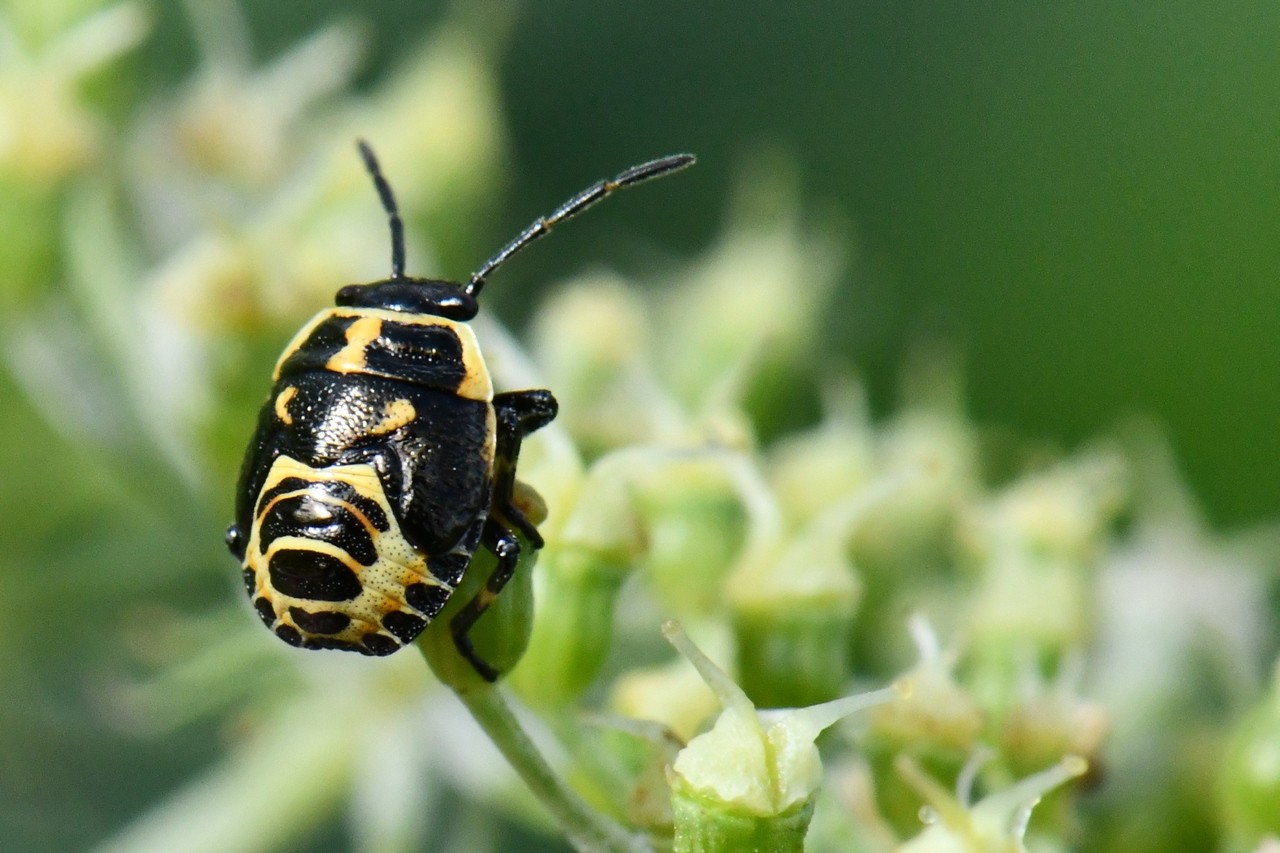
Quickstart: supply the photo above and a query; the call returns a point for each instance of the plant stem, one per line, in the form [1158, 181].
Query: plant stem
[587, 830]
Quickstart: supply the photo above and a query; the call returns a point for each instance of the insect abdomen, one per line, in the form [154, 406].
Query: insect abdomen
[327, 565]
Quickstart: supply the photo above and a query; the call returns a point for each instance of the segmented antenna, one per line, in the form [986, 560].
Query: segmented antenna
[389, 205]
[592, 195]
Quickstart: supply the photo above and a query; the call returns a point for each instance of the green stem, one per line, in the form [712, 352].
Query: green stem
[587, 830]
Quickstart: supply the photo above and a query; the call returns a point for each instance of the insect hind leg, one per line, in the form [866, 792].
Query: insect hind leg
[506, 547]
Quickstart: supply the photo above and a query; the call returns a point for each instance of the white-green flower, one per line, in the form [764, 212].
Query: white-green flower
[748, 782]
[995, 824]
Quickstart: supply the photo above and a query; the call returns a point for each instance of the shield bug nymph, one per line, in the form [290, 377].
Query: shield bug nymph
[383, 459]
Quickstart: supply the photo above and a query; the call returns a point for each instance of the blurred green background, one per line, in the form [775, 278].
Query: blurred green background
[1084, 199]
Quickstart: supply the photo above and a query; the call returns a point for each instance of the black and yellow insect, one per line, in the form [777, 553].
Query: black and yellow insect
[383, 458]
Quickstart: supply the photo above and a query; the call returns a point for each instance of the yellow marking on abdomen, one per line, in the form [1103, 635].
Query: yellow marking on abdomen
[382, 585]
[351, 358]
[282, 402]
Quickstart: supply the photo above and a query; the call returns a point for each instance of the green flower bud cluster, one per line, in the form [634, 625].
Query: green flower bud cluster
[678, 512]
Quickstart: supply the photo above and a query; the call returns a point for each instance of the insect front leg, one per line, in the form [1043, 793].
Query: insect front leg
[518, 414]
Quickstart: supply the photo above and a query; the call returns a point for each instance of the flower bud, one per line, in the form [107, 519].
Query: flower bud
[575, 591]
[694, 509]
[589, 554]
[1035, 544]
[668, 692]
[1065, 511]
[998, 822]
[793, 607]
[1049, 720]
[932, 441]
[811, 471]
[1250, 773]
[591, 339]
[748, 782]
[937, 716]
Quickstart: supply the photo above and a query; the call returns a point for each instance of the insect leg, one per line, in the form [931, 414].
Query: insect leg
[518, 413]
[506, 547]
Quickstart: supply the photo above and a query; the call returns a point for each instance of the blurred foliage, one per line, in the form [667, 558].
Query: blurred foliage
[179, 191]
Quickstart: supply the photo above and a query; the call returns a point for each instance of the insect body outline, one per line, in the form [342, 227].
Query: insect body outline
[383, 458]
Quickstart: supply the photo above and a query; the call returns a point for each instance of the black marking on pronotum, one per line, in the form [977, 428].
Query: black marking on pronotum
[428, 355]
[383, 459]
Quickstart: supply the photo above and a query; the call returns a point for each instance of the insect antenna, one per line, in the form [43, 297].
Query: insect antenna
[389, 205]
[592, 195]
